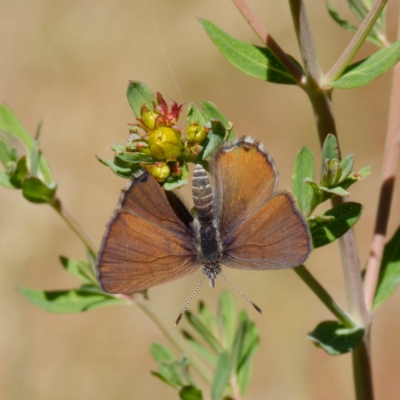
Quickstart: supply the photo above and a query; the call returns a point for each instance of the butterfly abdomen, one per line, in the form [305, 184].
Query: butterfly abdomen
[207, 233]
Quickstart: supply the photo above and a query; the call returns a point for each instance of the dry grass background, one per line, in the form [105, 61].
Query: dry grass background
[68, 62]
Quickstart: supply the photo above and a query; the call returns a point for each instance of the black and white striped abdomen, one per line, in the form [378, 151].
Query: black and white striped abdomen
[202, 193]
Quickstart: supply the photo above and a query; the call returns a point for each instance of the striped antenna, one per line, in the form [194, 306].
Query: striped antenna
[190, 300]
[243, 295]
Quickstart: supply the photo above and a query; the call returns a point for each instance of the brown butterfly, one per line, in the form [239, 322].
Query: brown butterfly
[243, 222]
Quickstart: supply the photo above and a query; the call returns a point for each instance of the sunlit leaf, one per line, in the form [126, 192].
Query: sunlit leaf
[138, 94]
[335, 338]
[37, 191]
[303, 168]
[221, 376]
[259, 62]
[365, 71]
[345, 216]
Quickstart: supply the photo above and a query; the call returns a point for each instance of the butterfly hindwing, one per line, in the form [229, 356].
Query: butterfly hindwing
[275, 237]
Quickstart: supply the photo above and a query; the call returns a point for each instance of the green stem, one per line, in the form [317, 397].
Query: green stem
[362, 370]
[325, 297]
[173, 335]
[358, 39]
[77, 228]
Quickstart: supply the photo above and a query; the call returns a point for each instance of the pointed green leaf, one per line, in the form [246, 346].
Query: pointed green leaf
[207, 317]
[335, 338]
[20, 173]
[81, 269]
[211, 111]
[334, 173]
[70, 301]
[214, 138]
[221, 376]
[389, 276]
[347, 167]
[194, 115]
[161, 352]
[164, 377]
[350, 27]
[11, 124]
[259, 62]
[330, 149]
[37, 191]
[226, 315]
[132, 160]
[138, 94]
[7, 154]
[5, 180]
[204, 331]
[337, 191]
[238, 344]
[200, 349]
[190, 393]
[365, 71]
[123, 172]
[303, 168]
[325, 232]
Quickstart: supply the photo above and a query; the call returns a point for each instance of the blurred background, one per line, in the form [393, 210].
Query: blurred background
[69, 63]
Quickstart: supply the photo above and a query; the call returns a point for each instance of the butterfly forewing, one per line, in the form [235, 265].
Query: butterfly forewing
[146, 243]
[245, 178]
[276, 236]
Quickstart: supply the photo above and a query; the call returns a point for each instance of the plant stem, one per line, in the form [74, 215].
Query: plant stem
[235, 388]
[67, 216]
[386, 192]
[358, 39]
[269, 41]
[325, 297]
[321, 103]
[173, 335]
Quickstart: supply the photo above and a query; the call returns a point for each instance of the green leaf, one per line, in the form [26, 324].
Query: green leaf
[350, 27]
[214, 138]
[164, 377]
[204, 331]
[190, 393]
[5, 180]
[221, 376]
[81, 269]
[249, 349]
[20, 173]
[71, 301]
[330, 149]
[365, 71]
[194, 115]
[389, 276]
[211, 111]
[123, 172]
[7, 154]
[138, 94]
[303, 168]
[37, 191]
[208, 318]
[132, 160]
[347, 167]
[161, 353]
[337, 191]
[325, 232]
[200, 350]
[335, 338]
[226, 315]
[11, 124]
[259, 62]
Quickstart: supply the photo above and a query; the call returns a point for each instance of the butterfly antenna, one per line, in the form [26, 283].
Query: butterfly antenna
[242, 294]
[190, 300]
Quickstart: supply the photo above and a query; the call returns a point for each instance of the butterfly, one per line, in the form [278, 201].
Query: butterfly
[242, 221]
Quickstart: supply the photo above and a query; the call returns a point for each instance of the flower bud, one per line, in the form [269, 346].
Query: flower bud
[195, 133]
[176, 169]
[148, 118]
[165, 143]
[160, 171]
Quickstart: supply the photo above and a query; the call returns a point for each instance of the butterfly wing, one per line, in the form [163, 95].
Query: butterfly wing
[245, 178]
[274, 237]
[146, 243]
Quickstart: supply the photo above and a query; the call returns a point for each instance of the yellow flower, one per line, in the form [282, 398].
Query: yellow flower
[165, 143]
[160, 171]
